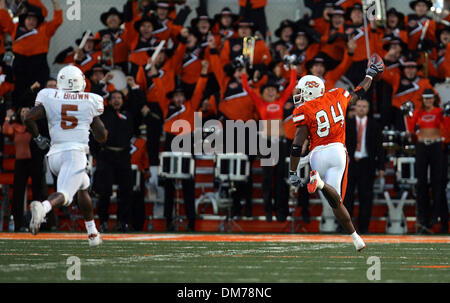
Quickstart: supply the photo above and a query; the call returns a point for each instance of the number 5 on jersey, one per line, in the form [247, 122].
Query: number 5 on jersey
[68, 121]
[323, 122]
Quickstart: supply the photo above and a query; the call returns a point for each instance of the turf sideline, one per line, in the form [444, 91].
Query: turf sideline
[230, 238]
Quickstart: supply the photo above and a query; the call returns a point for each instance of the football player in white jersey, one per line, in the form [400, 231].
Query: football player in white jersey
[70, 113]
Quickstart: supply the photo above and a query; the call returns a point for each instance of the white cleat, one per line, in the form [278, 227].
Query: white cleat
[95, 239]
[37, 216]
[314, 182]
[359, 244]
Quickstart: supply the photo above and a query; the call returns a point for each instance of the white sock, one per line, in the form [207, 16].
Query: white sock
[47, 206]
[90, 227]
[355, 236]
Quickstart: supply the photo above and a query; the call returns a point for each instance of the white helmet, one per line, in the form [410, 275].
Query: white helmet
[71, 78]
[311, 87]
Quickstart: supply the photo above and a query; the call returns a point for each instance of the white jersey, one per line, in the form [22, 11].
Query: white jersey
[69, 116]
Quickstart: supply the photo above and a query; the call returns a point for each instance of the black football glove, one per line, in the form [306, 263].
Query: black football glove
[42, 142]
[374, 69]
[294, 180]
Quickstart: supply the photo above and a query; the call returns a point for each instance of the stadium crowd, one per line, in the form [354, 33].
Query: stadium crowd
[200, 69]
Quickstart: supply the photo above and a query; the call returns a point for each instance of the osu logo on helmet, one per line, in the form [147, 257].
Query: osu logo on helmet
[312, 84]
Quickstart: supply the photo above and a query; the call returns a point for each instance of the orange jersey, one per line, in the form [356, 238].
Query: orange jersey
[324, 117]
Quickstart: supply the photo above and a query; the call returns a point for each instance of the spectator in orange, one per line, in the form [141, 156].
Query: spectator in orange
[416, 24]
[113, 19]
[356, 31]
[234, 104]
[333, 40]
[176, 107]
[232, 48]
[166, 66]
[320, 14]
[6, 25]
[286, 33]
[168, 28]
[428, 118]
[255, 10]
[270, 105]
[318, 67]
[28, 163]
[277, 73]
[224, 26]
[31, 38]
[394, 29]
[407, 86]
[98, 81]
[442, 53]
[394, 50]
[6, 89]
[84, 58]
[140, 40]
[135, 10]
[445, 133]
[190, 67]
[306, 43]
[201, 26]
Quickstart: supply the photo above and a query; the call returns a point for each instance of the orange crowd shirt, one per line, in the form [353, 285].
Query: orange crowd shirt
[37, 41]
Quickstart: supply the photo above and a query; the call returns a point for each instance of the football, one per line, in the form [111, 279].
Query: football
[375, 58]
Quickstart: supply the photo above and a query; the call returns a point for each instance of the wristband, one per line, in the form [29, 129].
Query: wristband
[296, 150]
[360, 92]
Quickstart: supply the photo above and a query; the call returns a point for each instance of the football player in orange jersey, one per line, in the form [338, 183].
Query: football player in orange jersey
[322, 118]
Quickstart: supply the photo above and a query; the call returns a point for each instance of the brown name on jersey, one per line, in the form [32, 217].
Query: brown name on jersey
[76, 96]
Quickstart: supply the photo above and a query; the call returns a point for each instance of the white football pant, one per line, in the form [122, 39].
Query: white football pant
[70, 167]
[330, 161]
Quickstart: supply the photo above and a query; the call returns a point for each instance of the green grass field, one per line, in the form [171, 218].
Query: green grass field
[182, 261]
